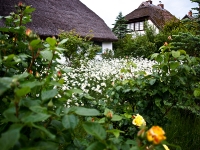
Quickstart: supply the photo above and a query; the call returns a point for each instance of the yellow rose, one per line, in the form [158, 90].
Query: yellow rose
[156, 135]
[138, 120]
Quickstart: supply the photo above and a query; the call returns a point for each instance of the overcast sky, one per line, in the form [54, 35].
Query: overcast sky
[108, 10]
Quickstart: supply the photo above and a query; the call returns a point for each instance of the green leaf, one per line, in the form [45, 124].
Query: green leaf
[157, 102]
[46, 54]
[159, 58]
[95, 129]
[197, 92]
[87, 96]
[154, 55]
[55, 83]
[49, 94]
[116, 118]
[70, 121]
[174, 65]
[63, 41]
[29, 103]
[34, 43]
[4, 29]
[152, 81]
[21, 76]
[57, 124]
[86, 111]
[29, 10]
[10, 114]
[96, 146]
[38, 109]
[102, 120]
[33, 117]
[115, 132]
[22, 92]
[128, 115]
[182, 52]
[51, 41]
[76, 91]
[9, 139]
[73, 91]
[176, 54]
[5, 84]
[32, 84]
[9, 57]
[49, 134]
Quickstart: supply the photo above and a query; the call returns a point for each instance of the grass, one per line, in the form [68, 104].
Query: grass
[183, 129]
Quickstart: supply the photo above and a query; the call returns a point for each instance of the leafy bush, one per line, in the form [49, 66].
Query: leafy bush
[180, 41]
[137, 45]
[34, 113]
[172, 84]
[77, 48]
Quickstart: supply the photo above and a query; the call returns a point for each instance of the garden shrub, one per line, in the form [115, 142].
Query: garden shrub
[34, 113]
[136, 45]
[172, 83]
[77, 48]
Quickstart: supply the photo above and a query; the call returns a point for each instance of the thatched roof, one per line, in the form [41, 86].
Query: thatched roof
[51, 16]
[158, 15]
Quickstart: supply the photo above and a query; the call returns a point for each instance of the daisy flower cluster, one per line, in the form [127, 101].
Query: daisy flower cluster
[96, 76]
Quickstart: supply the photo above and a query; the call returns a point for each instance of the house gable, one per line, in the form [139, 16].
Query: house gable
[151, 13]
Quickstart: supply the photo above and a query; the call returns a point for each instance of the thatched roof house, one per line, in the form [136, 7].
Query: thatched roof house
[51, 16]
[147, 11]
[188, 16]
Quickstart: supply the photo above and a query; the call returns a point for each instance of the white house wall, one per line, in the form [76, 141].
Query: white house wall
[152, 24]
[106, 45]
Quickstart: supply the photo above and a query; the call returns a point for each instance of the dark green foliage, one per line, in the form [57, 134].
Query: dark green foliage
[34, 113]
[183, 129]
[188, 42]
[172, 83]
[120, 27]
[138, 46]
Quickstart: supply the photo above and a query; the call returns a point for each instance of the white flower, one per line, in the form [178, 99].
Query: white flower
[103, 84]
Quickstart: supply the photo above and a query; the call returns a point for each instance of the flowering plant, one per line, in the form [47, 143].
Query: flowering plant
[149, 139]
[138, 120]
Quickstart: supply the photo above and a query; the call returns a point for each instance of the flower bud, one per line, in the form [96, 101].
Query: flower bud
[59, 74]
[30, 71]
[20, 4]
[28, 32]
[169, 38]
[37, 75]
[142, 133]
[165, 44]
[109, 114]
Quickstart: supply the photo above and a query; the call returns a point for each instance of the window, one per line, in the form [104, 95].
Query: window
[137, 26]
[100, 45]
[141, 26]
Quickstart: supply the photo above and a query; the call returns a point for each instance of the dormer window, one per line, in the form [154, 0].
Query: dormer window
[137, 26]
